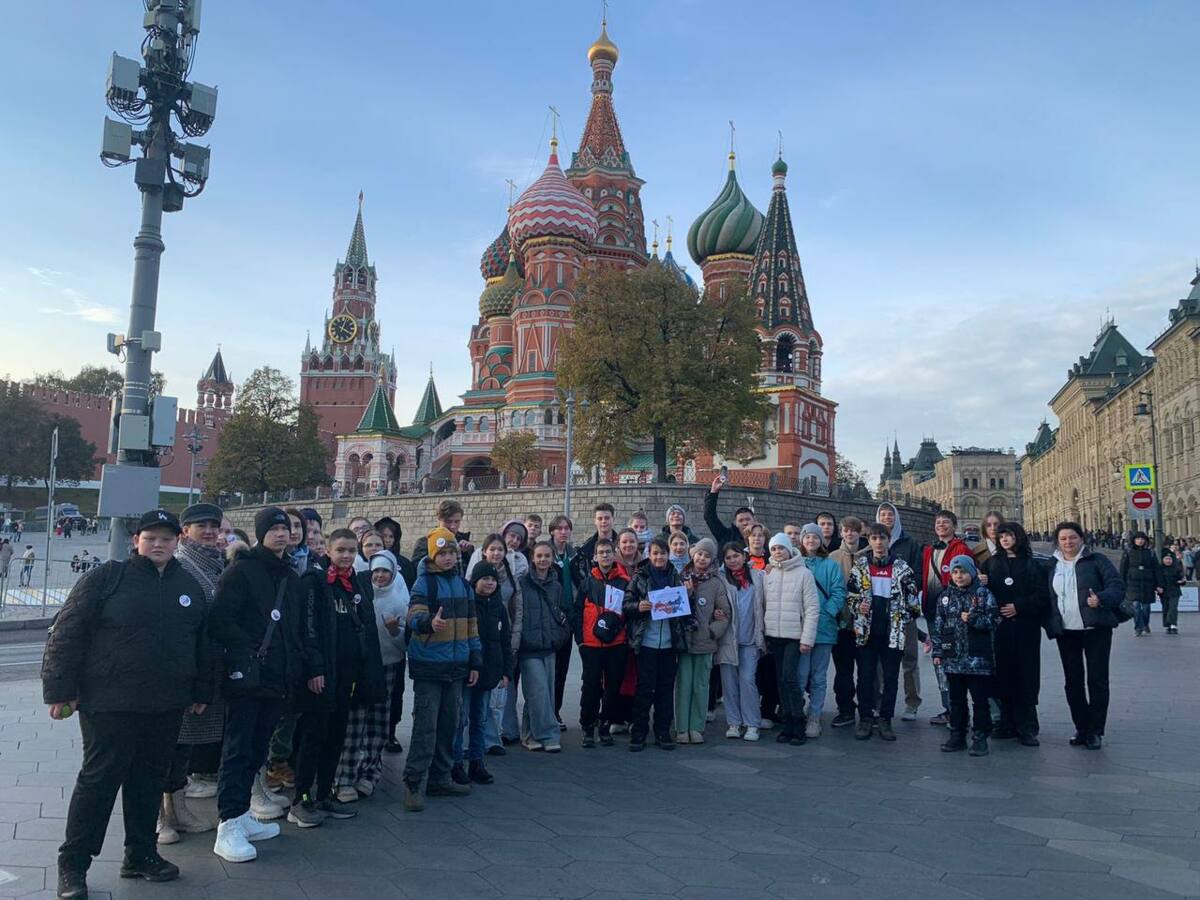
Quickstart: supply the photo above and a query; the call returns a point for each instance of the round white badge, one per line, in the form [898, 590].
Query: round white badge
[357, 599]
[185, 601]
[275, 615]
[945, 568]
[1009, 581]
[702, 602]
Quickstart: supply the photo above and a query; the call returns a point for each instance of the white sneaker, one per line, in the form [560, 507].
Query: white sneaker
[751, 733]
[766, 724]
[618, 728]
[264, 804]
[231, 844]
[365, 788]
[200, 789]
[683, 737]
[733, 731]
[531, 744]
[347, 795]
[256, 830]
[696, 737]
[166, 831]
[910, 713]
[710, 716]
[813, 728]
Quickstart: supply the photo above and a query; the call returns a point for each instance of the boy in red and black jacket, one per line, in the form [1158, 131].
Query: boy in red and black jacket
[603, 660]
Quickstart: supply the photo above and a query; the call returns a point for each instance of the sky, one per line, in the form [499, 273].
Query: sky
[974, 187]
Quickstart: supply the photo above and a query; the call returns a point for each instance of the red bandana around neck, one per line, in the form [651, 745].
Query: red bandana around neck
[340, 576]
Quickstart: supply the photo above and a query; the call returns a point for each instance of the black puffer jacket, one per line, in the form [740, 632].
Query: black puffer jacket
[1142, 573]
[1094, 572]
[141, 648]
[544, 627]
[495, 637]
[241, 614]
[320, 641]
[636, 621]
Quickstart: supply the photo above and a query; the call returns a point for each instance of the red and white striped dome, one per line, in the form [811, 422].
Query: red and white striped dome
[552, 207]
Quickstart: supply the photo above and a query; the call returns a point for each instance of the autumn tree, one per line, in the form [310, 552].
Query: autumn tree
[648, 358]
[270, 442]
[515, 454]
[847, 474]
[107, 381]
[25, 430]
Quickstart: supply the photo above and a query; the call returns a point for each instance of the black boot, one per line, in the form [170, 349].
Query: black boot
[605, 735]
[955, 743]
[150, 866]
[979, 744]
[798, 726]
[72, 883]
[785, 731]
[478, 773]
[589, 737]
[459, 775]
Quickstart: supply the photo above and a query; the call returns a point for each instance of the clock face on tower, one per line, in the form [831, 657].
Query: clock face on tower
[342, 329]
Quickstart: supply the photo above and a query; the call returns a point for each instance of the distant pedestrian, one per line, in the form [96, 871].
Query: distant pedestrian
[129, 651]
[1173, 579]
[6, 555]
[1143, 580]
[27, 560]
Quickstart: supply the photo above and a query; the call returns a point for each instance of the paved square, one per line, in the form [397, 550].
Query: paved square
[834, 818]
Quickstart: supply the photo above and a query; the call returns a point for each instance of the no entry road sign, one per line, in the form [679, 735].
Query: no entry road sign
[1141, 504]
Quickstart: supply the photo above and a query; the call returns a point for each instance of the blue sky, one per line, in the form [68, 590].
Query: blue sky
[972, 185]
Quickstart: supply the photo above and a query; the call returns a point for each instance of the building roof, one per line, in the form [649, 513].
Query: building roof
[378, 417]
[1112, 355]
[730, 225]
[1042, 441]
[601, 143]
[430, 408]
[553, 207]
[1195, 294]
[216, 370]
[928, 456]
[356, 253]
[495, 258]
[499, 295]
[776, 279]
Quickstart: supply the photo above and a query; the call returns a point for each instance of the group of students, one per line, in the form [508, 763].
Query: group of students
[281, 662]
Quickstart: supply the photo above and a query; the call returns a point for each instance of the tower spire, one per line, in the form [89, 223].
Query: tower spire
[670, 222]
[356, 253]
[654, 245]
[732, 152]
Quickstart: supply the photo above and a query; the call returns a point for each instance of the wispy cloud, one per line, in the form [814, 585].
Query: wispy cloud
[47, 277]
[79, 306]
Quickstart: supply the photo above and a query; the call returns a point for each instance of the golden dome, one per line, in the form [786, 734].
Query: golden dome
[603, 48]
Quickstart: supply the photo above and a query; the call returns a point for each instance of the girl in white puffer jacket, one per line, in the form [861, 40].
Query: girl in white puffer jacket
[793, 608]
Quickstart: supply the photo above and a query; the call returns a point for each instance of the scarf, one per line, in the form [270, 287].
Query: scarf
[679, 561]
[739, 578]
[701, 577]
[659, 578]
[205, 564]
[334, 575]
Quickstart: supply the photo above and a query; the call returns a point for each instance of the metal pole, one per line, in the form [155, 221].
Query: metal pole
[570, 452]
[49, 516]
[1158, 484]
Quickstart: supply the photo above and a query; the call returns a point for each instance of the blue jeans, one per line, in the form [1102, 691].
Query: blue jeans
[814, 669]
[1141, 616]
[476, 706]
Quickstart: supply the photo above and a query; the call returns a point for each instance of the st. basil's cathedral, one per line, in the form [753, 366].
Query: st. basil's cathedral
[590, 213]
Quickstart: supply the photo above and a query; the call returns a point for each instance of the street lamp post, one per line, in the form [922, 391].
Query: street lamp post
[194, 446]
[570, 451]
[146, 95]
[1146, 408]
[49, 515]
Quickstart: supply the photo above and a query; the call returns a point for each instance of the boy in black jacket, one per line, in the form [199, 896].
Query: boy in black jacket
[499, 662]
[342, 665]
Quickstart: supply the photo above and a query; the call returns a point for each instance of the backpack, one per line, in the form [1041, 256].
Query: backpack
[114, 571]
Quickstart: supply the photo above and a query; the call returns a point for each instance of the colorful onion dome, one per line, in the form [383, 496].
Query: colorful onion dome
[495, 257]
[779, 168]
[730, 225]
[553, 207]
[498, 297]
[603, 48]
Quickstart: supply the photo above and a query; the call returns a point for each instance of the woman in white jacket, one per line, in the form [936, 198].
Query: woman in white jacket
[792, 610]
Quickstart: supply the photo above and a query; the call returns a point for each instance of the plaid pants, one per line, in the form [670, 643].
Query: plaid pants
[366, 735]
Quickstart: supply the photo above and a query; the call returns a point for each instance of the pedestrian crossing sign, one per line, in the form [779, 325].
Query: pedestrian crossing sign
[1139, 478]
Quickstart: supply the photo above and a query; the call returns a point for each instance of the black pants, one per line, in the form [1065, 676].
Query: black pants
[130, 752]
[977, 686]
[396, 711]
[768, 687]
[1089, 705]
[562, 662]
[714, 687]
[845, 658]
[876, 652]
[603, 672]
[786, 652]
[1018, 674]
[655, 687]
[249, 723]
[320, 735]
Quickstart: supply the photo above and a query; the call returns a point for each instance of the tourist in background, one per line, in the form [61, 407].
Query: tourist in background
[1172, 590]
[829, 530]
[1018, 582]
[814, 668]
[1143, 579]
[370, 542]
[791, 611]
[391, 532]
[1087, 590]
[676, 522]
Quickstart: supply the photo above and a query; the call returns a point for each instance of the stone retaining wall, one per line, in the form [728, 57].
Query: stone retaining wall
[485, 511]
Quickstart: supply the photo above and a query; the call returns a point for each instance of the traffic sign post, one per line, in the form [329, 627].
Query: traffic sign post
[1140, 478]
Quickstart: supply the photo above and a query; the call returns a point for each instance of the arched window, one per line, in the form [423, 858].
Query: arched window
[467, 423]
[785, 348]
[548, 418]
[483, 424]
[363, 276]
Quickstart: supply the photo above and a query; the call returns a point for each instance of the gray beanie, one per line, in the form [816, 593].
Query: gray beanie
[812, 528]
[708, 545]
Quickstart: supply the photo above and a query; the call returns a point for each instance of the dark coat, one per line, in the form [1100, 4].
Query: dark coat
[1094, 572]
[636, 621]
[544, 627]
[1173, 581]
[721, 532]
[320, 642]
[585, 556]
[1142, 573]
[1019, 639]
[691, 535]
[965, 648]
[141, 648]
[241, 614]
[495, 636]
